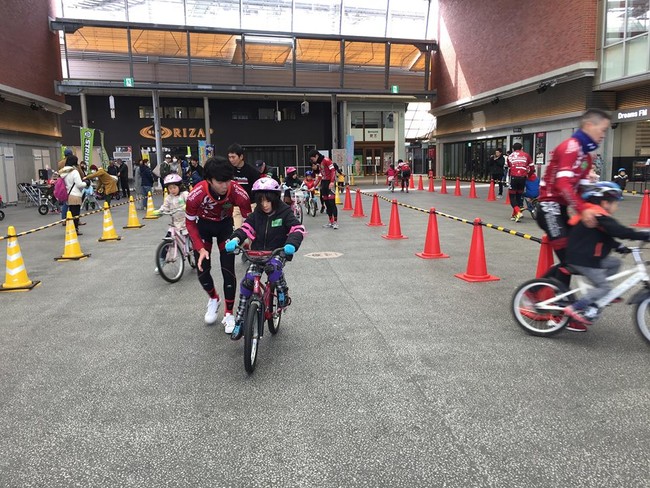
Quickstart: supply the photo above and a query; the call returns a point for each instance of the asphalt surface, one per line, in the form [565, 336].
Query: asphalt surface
[387, 371]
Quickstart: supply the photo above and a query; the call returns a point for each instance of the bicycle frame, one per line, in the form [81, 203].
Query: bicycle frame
[637, 274]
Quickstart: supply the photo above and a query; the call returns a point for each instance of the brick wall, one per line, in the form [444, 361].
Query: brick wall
[486, 45]
[29, 56]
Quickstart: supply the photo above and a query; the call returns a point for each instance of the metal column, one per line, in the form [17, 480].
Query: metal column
[206, 116]
[156, 125]
[335, 130]
[84, 110]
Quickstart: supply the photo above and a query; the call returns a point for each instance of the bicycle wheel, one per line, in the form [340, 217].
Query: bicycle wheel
[252, 321]
[539, 321]
[314, 208]
[2, 215]
[274, 313]
[170, 264]
[297, 210]
[191, 259]
[43, 210]
[642, 317]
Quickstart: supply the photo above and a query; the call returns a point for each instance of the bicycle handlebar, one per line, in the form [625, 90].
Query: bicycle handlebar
[259, 257]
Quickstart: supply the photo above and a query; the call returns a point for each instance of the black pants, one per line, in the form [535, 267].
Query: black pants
[553, 219]
[328, 200]
[126, 191]
[222, 230]
[517, 188]
[499, 180]
[75, 210]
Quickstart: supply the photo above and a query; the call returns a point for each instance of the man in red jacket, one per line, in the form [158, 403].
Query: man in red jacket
[328, 174]
[521, 166]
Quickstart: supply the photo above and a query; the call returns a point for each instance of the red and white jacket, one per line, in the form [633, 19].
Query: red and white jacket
[520, 164]
[327, 169]
[567, 167]
[201, 205]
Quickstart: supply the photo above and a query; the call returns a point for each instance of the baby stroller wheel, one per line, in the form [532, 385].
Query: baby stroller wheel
[43, 210]
[2, 215]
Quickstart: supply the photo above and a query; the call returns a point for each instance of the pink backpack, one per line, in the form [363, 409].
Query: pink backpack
[60, 191]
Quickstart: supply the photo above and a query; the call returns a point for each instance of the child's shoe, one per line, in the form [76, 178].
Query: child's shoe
[211, 314]
[237, 331]
[228, 323]
[518, 217]
[578, 319]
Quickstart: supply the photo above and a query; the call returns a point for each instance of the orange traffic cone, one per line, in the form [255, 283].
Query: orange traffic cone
[72, 249]
[375, 217]
[491, 196]
[347, 203]
[132, 222]
[507, 202]
[443, 186]
[644, 214]
[431, 183]
[394, 227]
[150, 215]
[411, 185]
[420, 184]
[472, 189]
[16, 278]
[358, 206]
[457, 192]
[109, 233]
[476, 265]
[432, 241]
[545, 259]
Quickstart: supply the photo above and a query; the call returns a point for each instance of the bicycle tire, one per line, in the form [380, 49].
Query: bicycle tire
[191, 259]
[251, 335]
[298, 212]
[170, 271]
[274, 313]
[314, 208]
[534, 321]
[43, 209]
[642, 316]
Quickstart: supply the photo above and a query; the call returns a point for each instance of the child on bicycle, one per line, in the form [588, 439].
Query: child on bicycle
[309, 185]
[291, 182]
[270, 226]
[391, 174]
[588, 250]
[174, 204]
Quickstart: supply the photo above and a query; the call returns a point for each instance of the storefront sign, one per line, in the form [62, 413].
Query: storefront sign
[632, 114]
[176, 132]
[516, 130]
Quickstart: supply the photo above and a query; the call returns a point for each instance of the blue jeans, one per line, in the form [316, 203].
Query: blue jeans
[145, 192]
[64, 210]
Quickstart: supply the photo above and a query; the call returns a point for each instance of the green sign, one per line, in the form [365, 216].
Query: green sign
[394, 88]
[128, 82]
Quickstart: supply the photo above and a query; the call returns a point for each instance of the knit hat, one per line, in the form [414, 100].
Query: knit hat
[93, 167]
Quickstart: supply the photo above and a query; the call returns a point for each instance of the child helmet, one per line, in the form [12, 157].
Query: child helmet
[621, 169]
[309, 173]
[266, 184]
[603, 190]
[172, 179]
[291, 169]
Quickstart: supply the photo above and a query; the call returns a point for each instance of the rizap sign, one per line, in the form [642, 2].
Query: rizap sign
[632, 114]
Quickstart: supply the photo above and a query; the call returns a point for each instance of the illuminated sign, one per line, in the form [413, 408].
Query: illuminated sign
[176, 132]
[632, 114]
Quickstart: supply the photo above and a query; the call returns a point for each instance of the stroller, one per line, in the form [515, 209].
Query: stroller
[531, 194]
[40, 195]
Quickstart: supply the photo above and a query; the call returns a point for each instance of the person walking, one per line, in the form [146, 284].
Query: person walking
[243, 174]
[123, 175]
[75, 187]
[496, 167]
[147, 177]
[520, 167]
[328, 180]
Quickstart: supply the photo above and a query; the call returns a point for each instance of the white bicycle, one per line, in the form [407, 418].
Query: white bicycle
[538, 305]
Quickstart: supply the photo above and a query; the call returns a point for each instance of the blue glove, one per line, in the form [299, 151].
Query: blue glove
[231, 244]
[289, 249]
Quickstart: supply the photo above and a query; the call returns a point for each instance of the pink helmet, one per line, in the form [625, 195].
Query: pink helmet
[172, 179]
[266, 184]
[291, 169]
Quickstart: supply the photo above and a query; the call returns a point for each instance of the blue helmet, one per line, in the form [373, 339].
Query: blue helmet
[603, 190]
[621, 169]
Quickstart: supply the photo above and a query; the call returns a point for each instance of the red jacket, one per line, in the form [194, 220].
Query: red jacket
[567, 167]
[520, 164]
[327, 169]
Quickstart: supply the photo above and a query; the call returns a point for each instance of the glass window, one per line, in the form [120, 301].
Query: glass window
[240, 116]
[614, 21]
[389, 118]
[157, 11]
[261, 15]
[323, 15]
[637, 55]
[372, 120]
[174, 112]
[613, 62]
[195, 113]
[637, 17]
[266, 114]
[145, 112]
[356, 120]
[364, 17]
[407, 19]
[202, 13]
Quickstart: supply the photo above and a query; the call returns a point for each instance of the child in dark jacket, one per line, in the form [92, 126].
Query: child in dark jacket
[588, 250]
[272, 225]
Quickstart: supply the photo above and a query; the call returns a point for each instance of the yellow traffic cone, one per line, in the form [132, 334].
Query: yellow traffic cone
[150, 209]
[351, 179]
[16, 278]
[109, 233]
[165, 194]
[337, 196]
[72, 249]
[133, 222]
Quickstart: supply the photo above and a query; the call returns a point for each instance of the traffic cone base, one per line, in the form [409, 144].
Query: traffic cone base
[432, 242]
[476, 264]
[72, 249]
[132, 222]
[394, 227]
[109, 233]
[375, 216]
[16, 278]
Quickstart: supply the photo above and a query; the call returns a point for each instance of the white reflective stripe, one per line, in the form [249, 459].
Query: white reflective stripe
[12, 272]
[14, 257]
[71, 241]
[565, 174]
[191, 217]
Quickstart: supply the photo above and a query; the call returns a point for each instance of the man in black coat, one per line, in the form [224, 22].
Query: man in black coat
[123, 177]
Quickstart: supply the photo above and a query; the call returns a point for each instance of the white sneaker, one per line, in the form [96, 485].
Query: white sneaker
[211, 314]
[228, 323]
[328, 225]
[335, 225]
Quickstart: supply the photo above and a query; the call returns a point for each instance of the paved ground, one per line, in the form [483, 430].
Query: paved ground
[388, 370]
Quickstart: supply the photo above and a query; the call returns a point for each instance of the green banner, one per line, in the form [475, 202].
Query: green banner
[87, 139]
[105, 158]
